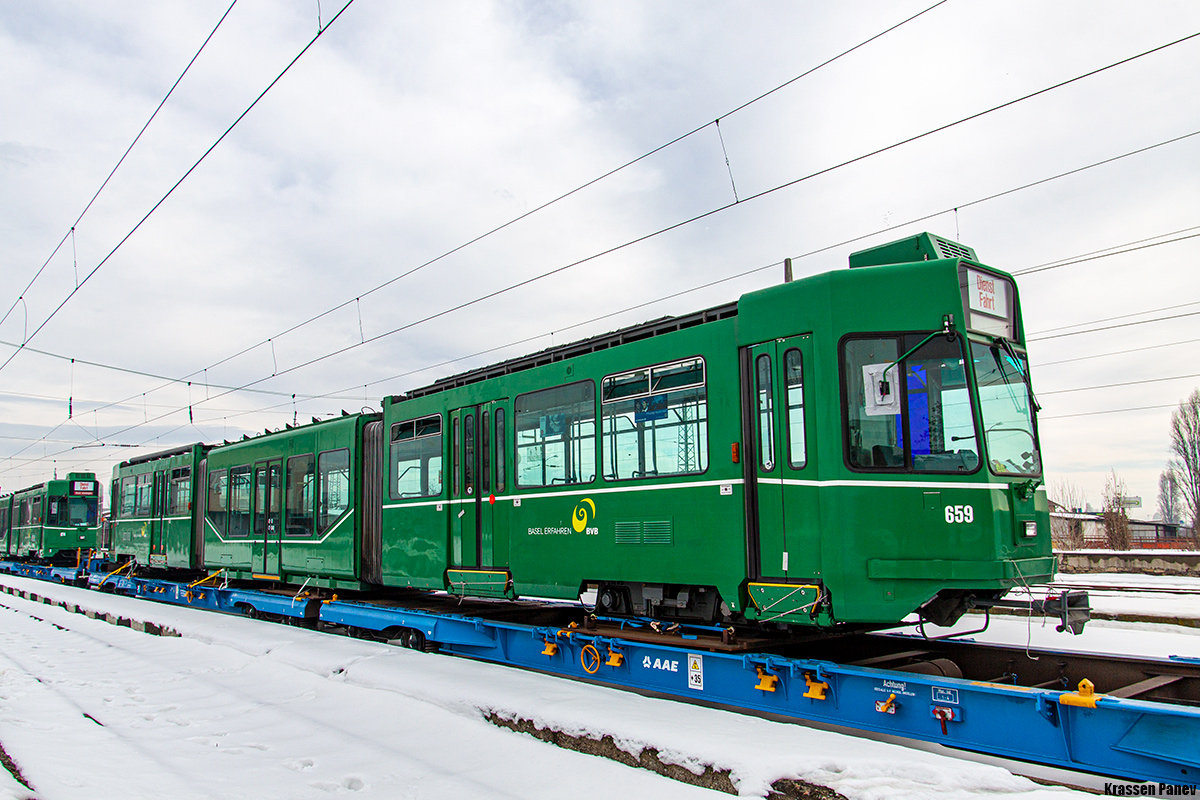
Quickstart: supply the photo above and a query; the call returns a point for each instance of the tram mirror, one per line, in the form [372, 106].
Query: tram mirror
[877, 381]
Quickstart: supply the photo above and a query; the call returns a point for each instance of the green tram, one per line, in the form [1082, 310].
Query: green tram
[847, 448]
[299, 505]
[154, 518]
[55, 520]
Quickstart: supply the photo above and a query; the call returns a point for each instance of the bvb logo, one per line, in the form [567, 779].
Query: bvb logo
[579, 519]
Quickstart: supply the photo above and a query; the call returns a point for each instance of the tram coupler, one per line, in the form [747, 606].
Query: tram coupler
[1072, 609]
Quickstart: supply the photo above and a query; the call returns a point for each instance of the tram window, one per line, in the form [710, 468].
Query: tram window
[874, 418]
[333, 470]
[128, 496]
[36, 510]
[940, 419]
[469, 453]
[53, 514]
[918, 415]
[416, 455]
[654, 421]
[260, 501]
[239, 501]
[793, 381]
[144, 495]
[766, 413]
[298, 497]
[556, 435]
[500, 450]
[218, 499]
[179, 492]
[455, 455]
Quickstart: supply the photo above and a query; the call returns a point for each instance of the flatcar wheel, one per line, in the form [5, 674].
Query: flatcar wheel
[416, 640]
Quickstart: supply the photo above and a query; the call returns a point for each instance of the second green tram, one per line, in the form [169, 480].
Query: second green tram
[154, 518]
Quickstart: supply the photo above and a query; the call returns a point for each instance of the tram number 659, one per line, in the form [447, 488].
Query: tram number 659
[959, 514]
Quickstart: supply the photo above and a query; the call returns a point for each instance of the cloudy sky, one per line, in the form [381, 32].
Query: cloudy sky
[408, 130]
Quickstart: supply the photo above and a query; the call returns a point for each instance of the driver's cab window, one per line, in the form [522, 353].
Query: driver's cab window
[910, 414]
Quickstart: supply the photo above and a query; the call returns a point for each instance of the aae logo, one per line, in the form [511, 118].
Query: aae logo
[586, 510]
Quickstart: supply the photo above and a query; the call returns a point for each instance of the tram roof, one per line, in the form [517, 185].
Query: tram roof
[603, 341]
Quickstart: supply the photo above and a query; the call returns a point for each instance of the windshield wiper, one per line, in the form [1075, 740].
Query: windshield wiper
[1007, 347]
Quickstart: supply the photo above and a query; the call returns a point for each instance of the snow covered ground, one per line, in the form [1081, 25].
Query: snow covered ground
[241, 708]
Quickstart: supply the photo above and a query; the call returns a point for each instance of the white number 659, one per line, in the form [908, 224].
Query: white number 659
[959, 514]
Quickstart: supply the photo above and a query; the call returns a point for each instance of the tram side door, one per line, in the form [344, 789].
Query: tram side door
[789, 532]
[493, 481]
[156, 546]
[268, 516]
[464, 487]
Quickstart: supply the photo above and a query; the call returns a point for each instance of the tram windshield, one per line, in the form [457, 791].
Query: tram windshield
[911, 413]
[82, 510]
[1007, 410]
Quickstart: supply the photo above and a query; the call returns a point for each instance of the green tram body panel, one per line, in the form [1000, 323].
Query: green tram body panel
[286, 506]
[58, 516]
[878, 541]
[532, 532]
[154, 517]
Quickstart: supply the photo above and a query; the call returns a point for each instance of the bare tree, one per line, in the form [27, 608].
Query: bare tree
[1169, 507]
[1067, 534]
[1116, 521]
[1185, 445]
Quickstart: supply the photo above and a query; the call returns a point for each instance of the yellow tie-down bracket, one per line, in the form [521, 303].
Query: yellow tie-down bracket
[766, 681]
[550, 637]
[614, 656]
[768, 672]
[1086, 697]
[816, 687]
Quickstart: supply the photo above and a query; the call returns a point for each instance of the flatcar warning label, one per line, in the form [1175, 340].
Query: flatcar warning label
[695, 672]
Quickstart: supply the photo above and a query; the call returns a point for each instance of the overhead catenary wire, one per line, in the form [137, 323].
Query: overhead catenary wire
[1110, 411]
[71, 232]
[1119, 316]
[711, 212]
[1110, 353]
[1114, 327]
[511, 344]
[706, 285]
[721, 208]
[581, 187]
[163, 199]
[532, 211]
[1120, 249]
[1119, 385]
[826, 248]
[724, 207]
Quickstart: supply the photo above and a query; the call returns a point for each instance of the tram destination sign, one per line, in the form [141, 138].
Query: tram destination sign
[989, 303]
